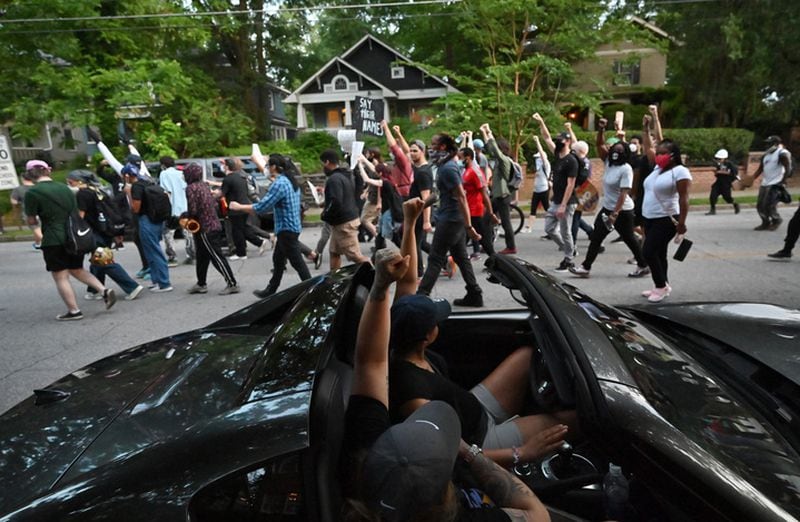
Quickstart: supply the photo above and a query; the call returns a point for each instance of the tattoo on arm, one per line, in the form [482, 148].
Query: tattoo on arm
[499, 484]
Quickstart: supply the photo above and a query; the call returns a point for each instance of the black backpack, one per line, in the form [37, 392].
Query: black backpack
[110, 220]
[583, 170]
[158, 206]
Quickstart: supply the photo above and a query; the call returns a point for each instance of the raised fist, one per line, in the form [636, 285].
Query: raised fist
[602, 123]
[537, 117]
[653, 109]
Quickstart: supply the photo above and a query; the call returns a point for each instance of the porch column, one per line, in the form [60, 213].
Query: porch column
[301, 117]
[386, 115]
[348, 113]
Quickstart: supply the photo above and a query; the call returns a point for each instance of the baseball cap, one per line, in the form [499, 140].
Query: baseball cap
[477, 143]
[721, 154]
[133, 158]
[410, 465]
[413, 316]
[774, 139]
[84, 176]
[130, 170]
[32, 164]
[563, 136]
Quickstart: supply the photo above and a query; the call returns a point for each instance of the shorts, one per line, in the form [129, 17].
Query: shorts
[501, 430]
[344, 240]
[370, 213]
[57, 259]
[540, 198]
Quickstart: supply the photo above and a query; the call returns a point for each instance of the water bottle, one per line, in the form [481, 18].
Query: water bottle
[616, 492]
[607, 222]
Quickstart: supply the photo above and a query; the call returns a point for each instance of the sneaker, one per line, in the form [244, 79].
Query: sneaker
[70, 316]
[147, 277]
[508, 251]
[631, 261]
[161, 290]
[475, 256]
[658, 294]
[579, 271]
[545, 238]
[198, 289]
[762, 226]
[564, 266]
[527, 229]
[230, 290]
[775, 224]
[92, 296]
[262, 247]
[640, 271]
[172, 263]
[575, 252]
[134, 293]
[109, 297]
[711, 212]
[648, 293]
[736, 208]
[141, 273]
[37, 246]
[473, 299]
[236, 258]
[318, 260]
[780, 254]
[261, 294]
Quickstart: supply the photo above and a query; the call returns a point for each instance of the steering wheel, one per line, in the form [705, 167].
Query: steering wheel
[543, 390]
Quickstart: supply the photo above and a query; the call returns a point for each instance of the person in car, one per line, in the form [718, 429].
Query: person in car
[404, 472]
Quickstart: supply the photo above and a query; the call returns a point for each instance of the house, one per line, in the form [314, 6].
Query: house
[370, 69]
[279, 124]
[60, 143]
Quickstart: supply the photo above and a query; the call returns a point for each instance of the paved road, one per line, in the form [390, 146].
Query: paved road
[727, 263]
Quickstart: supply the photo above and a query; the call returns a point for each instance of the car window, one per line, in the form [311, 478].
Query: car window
[270, 493]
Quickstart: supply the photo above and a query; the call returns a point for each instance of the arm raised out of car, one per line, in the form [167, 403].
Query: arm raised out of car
[412, 209]
[371, 363]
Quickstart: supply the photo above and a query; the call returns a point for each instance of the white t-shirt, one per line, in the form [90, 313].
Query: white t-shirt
[616, 178]
[540, 183]
[661, 192]
[773, 169]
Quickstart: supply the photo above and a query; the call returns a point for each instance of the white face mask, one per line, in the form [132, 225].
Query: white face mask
[633, 147]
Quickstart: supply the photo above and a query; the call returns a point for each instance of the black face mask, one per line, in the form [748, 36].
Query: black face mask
[559, 145]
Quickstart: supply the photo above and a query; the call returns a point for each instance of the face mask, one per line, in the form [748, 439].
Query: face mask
[559, 145]
[615, 157]
[460, 163]
[662, 160]
[633, 147]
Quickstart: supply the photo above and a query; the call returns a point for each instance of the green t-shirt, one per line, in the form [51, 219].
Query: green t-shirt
[52, 202]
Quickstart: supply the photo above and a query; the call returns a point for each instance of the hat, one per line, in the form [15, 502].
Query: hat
[477, 143]
[774, 139]
[133, 158]
[409, 466]
[414, 316]
[563, 136]
[130, 170]
[84, 176]
[32, 164]
[721, 154]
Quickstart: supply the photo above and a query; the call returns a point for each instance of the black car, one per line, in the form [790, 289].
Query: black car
[242, 420]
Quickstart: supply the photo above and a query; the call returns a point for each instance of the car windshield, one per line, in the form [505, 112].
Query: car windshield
[704, 404]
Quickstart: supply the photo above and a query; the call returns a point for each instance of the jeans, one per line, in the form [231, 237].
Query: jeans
[564, 237]
[208, 250]
[449, 236]
[113, 270]
[138, 242]
[150, 237]
[767, 205]
[658, 233]
[502, 207]
[579, 223]
[623, 225]
[287, 248]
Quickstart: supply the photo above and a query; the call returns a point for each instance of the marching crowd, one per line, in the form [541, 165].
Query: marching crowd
[472, 180]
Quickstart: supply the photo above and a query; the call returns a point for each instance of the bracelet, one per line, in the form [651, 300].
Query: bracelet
[473, 452]
[515, 455]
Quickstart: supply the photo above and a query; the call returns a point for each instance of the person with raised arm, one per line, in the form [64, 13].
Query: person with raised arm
[499, 150]
[401, 173]
[541, 183]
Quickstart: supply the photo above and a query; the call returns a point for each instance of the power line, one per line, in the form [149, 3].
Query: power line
[230, 13]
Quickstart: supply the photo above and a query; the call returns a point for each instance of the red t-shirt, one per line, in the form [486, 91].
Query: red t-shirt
[473, 185]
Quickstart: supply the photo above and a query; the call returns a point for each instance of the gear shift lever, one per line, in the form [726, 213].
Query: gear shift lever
[563, 466]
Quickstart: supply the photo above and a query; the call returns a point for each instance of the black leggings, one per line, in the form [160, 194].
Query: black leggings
[658, 233]
[624, 226]
[287, 248]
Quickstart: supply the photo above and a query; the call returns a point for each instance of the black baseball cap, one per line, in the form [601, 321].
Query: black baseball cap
[774, 139]
[413, 316]
[409, 467]
[563, 136]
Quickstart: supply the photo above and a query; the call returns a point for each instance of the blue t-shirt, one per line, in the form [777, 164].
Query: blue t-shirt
[448, 178]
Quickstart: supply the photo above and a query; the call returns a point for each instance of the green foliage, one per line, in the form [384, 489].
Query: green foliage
[699, 145]
[304, 151]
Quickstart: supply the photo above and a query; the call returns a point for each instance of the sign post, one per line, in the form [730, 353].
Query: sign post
[368, 115]
[8, 174]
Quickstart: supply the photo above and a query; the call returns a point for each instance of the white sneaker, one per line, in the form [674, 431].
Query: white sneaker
[159, 290]
[648, 293]
[579, 271]
[526, 230]
[89, 296]
[134, 293]
[658, 294]
[236, 258]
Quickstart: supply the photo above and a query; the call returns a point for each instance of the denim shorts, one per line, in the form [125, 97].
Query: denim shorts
[501, 430]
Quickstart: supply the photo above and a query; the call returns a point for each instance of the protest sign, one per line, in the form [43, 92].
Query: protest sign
[367, 116]
[8, 174]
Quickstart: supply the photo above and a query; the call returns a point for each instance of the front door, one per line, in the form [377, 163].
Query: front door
[334, 118]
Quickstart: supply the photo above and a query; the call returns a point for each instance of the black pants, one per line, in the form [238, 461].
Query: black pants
[624, 226]
[208, 247]
[502, 207]
[720, 188]
[241, 233]
[658, 233]
[767, 205]
[793, 231]
[449, 236]
[422, 245]
[287, 248]
[484, 228]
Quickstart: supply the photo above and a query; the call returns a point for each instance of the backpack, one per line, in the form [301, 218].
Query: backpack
[583, 171]
[515, 176]
[157, 205]
[110, 221]
[80, 239]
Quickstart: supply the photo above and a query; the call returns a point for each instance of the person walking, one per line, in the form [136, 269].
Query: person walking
[499, 151]
[478, 201]
[617, 206]
[421, 187]
[725, 172]
[173, 183]
[541, 184]
[208, 237]
[665, 208]
[18, 200]
[775, 164]
[234, 189]
[51, 204]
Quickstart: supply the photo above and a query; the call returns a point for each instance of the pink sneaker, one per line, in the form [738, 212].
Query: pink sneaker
[658, 294]
[648, 293]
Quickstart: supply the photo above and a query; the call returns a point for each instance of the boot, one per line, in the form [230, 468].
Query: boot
[474, 299]
[736, 208]
[711, 212]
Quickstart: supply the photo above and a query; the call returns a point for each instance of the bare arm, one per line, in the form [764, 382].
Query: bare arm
[542, 156]
[572, 136]
[461, 196]
[600, 143]
[683, 204]
[390, 141]
[408, 246]
[545, 133]
[647, 139]
[401, 140]
[367, 180]
[656, 123]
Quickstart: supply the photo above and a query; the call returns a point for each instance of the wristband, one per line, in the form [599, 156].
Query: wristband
[473, 452]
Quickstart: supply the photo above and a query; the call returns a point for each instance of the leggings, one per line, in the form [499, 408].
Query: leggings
[623, 225]
[207, 247]
[658, 233]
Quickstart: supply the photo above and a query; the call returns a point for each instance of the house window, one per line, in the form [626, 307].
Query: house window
[626, 72]
[69, 140]
[340, 83]
[398, 72]
[272, 102]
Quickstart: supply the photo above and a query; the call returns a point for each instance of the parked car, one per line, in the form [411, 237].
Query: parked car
[243, 420]
[212, 169]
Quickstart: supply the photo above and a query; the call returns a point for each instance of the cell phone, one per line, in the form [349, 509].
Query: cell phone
[619, 117]
[683, 249]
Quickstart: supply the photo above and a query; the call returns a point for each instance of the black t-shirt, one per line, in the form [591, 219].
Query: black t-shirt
[234, 188]
[642, 165]
[391, 200]
[423, 180]
[407, 382]
[137, 193]
[87, 202]
[725, 171]
[563, 169]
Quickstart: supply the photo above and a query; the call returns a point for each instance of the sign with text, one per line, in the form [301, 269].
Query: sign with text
[367, 116]
[8, 174]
